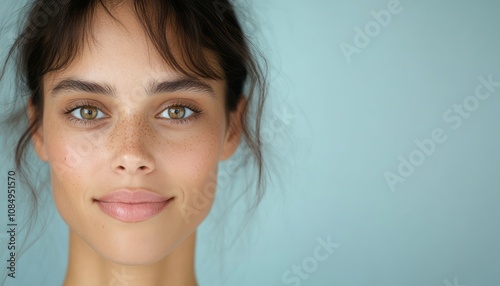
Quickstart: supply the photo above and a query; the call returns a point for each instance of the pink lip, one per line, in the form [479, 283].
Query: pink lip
[132, 205]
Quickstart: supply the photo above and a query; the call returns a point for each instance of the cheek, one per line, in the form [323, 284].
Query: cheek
[73, 156]
[74, 165]
[193, 168]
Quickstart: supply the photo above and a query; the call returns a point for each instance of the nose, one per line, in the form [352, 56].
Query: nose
[133, 149]
[132, 165]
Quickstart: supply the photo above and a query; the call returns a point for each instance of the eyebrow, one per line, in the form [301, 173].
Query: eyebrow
[182, 84]
[76, 85]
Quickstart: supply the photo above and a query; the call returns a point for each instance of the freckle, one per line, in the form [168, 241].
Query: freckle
[140, 127]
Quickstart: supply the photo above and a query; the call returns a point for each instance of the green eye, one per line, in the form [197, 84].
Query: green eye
[176, 112]
[87, 113]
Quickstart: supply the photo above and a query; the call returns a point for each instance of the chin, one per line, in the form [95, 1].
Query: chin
[133, 248]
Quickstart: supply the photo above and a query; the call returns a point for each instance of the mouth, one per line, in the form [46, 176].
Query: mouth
[129, 206]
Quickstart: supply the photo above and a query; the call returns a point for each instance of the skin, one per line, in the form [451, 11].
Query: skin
[131, 144]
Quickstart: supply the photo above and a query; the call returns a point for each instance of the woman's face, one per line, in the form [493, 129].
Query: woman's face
[119, 118]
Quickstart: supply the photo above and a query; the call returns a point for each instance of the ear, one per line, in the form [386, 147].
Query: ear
[37, 135]
[233, 131]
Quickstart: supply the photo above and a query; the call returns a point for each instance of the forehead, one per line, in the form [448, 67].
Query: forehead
[117, 47]
[121, 31]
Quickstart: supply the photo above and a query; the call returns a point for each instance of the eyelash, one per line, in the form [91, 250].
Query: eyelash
[83, 122]
[92, 122]
[196, 113]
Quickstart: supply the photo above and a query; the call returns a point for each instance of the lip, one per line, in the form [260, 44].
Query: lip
[129, 205]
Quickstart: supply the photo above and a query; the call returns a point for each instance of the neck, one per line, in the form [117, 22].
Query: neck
[86, 267]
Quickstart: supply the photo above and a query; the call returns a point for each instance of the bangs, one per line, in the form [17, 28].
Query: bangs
[179, 31]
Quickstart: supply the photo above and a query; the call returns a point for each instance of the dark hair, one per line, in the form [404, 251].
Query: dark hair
[54, 32]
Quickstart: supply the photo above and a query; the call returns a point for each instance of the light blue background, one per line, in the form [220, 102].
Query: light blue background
[347, 124]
